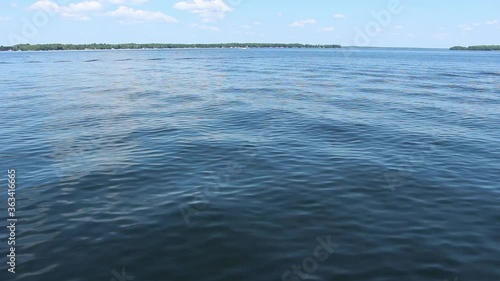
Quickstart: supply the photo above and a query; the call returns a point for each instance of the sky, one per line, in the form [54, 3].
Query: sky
[382, 23]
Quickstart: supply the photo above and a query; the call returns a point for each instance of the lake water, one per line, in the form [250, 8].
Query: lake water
[259, 164]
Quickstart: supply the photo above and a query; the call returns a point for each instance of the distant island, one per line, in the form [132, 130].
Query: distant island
[133, 46]
[477, 48]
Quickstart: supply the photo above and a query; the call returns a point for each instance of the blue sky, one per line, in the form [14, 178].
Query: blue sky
[398, 23]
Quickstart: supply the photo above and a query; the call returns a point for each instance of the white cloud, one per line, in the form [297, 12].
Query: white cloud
[475, 25]
[137, 16]
[87, 6]
[302, 23]
[398, 27]
[45, 5]
[209, 10]
[465, 27]
[339, 16]
[205, 27]
[4, 18]
[73, 10]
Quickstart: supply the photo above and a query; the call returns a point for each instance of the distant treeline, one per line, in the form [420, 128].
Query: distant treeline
[477, 48]
[53, 47]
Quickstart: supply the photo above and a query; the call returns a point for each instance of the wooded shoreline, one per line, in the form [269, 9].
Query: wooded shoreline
[133, 46]
[477, 48]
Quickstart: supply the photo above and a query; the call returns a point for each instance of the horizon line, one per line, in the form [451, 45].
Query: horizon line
[238, 43]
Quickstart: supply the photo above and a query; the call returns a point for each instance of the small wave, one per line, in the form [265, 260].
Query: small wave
[445, 74]
[4, 62]
[186, 98]
[144, 94]
[34, 61]
[7, 156]
[467, 89]
[92, 60]
[124, 59]
[61, 61]
[370, 90]
[157, 59]
[378, 80]
[427, 86]
[490, 73]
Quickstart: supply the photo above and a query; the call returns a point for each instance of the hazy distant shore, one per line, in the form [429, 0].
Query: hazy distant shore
[477, 48]
[133, 46]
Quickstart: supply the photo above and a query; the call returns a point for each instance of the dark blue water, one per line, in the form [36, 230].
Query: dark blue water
[252, 164]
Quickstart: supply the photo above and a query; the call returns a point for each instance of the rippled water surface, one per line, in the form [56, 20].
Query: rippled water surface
[258, 164]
